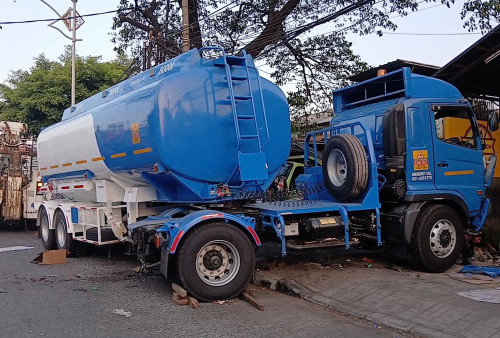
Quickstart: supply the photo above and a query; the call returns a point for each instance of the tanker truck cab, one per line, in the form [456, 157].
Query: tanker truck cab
[432, 184]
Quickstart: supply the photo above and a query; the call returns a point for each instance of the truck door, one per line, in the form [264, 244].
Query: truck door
[458, 157]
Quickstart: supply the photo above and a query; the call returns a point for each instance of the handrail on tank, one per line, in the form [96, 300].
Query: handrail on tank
[231, 94]
[332, 131]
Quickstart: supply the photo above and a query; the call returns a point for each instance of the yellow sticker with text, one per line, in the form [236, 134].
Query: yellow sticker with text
[136, 137]
[420, 160]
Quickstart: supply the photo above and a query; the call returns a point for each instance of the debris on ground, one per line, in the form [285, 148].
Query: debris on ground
[180, 290]
[395, 267]
[486, 295]
[491, 271]
[246, 296]
[193, 302]
[180, 297]
[94, 288]
[51, 257]
[122, 312]
[479, 251]
[366, 260]
[473, 278]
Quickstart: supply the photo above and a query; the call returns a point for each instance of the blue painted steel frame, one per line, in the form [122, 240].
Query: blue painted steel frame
[273, 213]
[176, 228]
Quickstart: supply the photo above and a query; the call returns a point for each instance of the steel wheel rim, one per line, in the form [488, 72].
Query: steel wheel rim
[336, 167]
[218, 263]
[44, 228]
[61, 233]
[443, 238]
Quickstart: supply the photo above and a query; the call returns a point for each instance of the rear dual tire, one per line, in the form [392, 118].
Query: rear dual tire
[64, 240]
[47, 235]
[215, 262]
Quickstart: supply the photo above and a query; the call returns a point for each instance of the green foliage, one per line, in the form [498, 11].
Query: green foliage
[280, 33]
[39, 96]
[480, 14]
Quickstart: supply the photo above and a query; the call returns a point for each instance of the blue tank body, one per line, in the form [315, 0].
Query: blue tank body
[182, 127]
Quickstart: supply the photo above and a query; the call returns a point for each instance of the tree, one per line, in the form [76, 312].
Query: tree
[39, 96]
[274, 31]
[480, 14]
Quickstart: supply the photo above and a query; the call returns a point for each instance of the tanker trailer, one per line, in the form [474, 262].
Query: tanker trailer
[193, 132]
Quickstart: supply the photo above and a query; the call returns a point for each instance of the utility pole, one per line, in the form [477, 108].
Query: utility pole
[73, 55]
[72, 25]
[185, 26]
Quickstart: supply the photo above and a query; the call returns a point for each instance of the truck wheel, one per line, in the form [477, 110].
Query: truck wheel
[438, 238]
[64, 240]
[215, 262]
[46, 234]
[345, 167]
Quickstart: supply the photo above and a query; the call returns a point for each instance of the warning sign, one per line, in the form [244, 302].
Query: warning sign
[136, 138]
[420, 160]
[486, 138]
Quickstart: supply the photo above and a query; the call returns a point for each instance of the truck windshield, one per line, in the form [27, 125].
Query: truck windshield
[455, 125]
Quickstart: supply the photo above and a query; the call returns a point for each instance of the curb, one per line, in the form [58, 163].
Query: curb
[294, 288]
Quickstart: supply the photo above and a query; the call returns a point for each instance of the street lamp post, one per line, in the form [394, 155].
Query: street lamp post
[72, 25]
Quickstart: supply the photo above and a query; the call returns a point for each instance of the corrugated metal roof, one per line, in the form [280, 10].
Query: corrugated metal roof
[476, 71]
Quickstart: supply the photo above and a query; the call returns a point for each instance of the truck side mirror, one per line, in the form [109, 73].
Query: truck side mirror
[493, 121]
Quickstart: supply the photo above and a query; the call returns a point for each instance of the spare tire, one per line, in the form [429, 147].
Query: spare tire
[345, 167]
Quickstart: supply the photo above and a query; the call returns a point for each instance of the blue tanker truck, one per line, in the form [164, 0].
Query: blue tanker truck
[179, 162]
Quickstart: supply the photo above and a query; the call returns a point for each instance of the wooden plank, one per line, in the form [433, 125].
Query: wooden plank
[252, 301]
[177, 296]
[193, 302]
[251, 291]
[182, 301]
[180, 290]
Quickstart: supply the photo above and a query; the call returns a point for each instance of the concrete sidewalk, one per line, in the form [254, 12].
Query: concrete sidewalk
[409, 300]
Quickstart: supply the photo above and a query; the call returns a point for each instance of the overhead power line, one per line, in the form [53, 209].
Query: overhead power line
[444, 34]
[66, 18]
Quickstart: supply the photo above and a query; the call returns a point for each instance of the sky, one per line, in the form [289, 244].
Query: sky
[22, 42]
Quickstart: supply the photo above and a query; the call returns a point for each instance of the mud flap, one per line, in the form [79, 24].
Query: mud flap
[165, 253]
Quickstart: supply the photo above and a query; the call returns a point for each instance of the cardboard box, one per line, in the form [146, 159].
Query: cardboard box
[51, 257]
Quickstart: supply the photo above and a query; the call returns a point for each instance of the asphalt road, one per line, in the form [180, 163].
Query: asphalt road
[77, 299]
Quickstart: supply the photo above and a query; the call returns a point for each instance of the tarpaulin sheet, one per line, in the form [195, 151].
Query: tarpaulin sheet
[486, 270]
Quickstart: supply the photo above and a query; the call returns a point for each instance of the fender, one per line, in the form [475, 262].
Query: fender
[419, 201]
[176, 229]
[51, 207]
[440, 195]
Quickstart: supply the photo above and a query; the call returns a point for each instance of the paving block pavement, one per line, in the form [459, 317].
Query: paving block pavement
[411, 301]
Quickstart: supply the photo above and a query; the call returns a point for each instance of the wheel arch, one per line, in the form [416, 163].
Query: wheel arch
[50, 215]
[60, 209]
[414, 211]
[52, 209]
[180, 228]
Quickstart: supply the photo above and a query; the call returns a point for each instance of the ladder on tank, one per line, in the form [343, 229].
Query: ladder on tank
[251, 160]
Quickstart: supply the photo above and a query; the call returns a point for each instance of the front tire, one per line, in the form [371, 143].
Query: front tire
[215, 262]
[46, 234]
[438, 238]
[64, 240]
